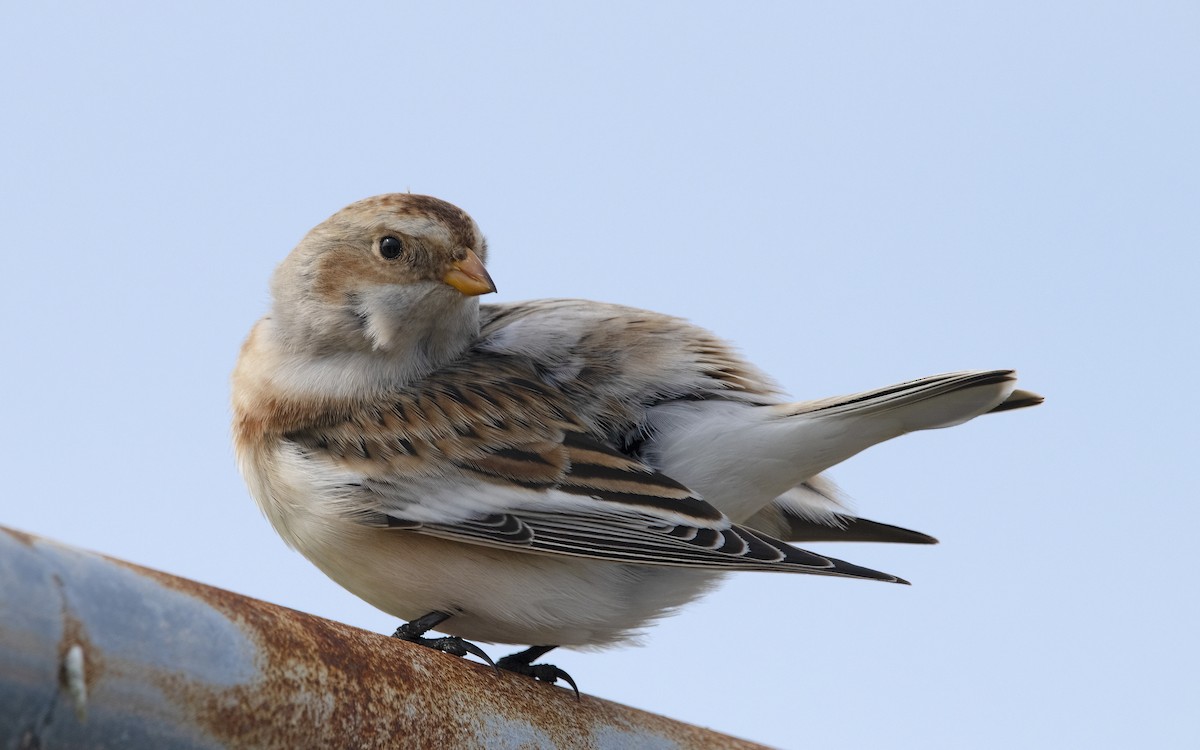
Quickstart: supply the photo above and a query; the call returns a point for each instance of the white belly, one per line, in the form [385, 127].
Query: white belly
[495, 595]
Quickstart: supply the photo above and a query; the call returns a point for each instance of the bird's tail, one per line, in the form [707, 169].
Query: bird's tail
[833, 429]
[816, 511]
[740, 457]
[927, 403]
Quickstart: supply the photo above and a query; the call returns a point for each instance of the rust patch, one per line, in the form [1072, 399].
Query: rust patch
[324, 684]
[20, 536]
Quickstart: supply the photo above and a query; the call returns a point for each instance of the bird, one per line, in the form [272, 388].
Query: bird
[556, 472]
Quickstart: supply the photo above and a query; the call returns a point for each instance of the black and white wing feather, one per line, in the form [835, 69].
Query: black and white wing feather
[487, 454]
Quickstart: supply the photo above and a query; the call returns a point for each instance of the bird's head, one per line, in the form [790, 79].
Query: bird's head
[397, 274]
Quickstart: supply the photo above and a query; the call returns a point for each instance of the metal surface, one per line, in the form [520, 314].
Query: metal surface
[99, 653]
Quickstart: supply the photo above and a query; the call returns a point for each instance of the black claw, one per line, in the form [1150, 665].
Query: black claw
[471, 648]
[520, 663]
[550, 673]
[414, 631]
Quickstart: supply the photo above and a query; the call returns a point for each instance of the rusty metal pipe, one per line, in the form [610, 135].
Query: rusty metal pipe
[96, 652]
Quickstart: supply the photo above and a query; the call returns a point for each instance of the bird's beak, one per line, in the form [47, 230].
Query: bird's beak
[469, 276]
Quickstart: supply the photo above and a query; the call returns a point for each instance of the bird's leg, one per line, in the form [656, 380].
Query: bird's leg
[522, 663]
[414, 631]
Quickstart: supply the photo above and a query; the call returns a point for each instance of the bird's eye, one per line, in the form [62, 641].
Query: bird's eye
[391, 247]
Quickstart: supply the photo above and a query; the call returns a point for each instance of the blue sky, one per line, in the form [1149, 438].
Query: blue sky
[854, 193]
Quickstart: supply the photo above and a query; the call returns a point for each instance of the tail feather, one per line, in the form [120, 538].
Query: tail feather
[829, 431]
[815, 511]
[927, 403]
[737, 455]
[851, 529]
[1018, 399]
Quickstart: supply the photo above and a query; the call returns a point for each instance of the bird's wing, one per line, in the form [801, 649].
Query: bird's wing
[485, 452]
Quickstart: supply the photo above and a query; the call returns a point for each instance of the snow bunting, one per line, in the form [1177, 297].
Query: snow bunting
[555, 473]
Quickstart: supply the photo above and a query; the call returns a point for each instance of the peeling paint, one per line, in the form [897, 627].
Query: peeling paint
[75, 681]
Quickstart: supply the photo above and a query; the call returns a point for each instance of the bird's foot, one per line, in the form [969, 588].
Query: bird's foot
[522, 663]
[414, 632]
